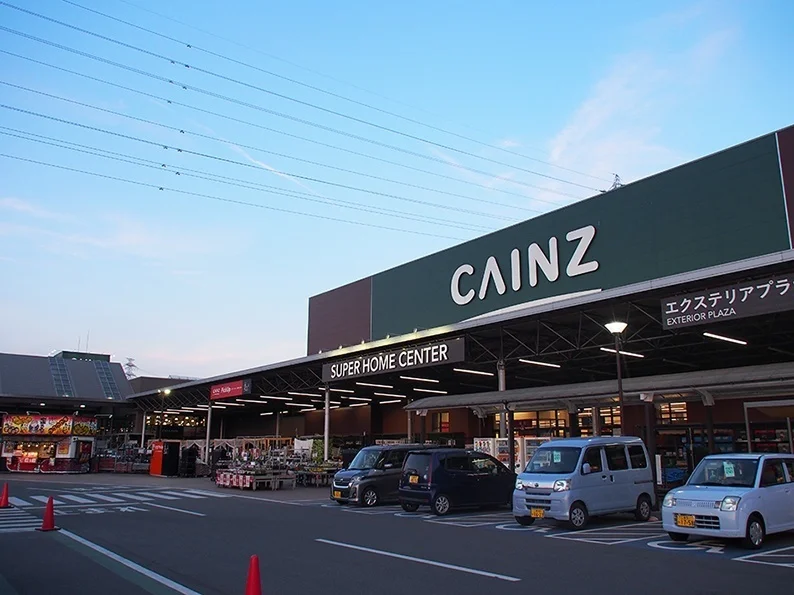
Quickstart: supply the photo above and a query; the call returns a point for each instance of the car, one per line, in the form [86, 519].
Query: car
[450, 478]
[573, 479]
[373, 475]
[745, 496]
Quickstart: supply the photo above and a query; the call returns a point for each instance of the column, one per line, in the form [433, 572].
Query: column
[500, 370]
[423, 427]
[511, 440]
[207, 449]
[573, 417]
[278, 424]
[710, 428]
[596, 421]
[790, 437]
[327, 424]
[143, 430]
[410, 426]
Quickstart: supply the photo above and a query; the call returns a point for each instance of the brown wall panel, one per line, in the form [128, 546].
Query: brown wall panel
[340, 317]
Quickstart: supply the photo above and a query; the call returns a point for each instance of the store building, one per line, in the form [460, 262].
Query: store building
[507, 334]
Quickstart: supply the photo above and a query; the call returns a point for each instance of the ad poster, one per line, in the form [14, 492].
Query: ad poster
[37, 425]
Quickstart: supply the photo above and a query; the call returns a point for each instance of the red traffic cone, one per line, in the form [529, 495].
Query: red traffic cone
[4, 498]
[48, 524]
[254, 584]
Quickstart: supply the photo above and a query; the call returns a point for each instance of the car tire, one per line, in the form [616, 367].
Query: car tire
[409, 506]
[524, 521]
[755, 533]
[369, 497]
[680, 537]
[643, 511]
[578, 517]
[441, 505]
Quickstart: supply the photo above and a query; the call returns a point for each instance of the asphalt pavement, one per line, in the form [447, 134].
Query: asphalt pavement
[138, 534]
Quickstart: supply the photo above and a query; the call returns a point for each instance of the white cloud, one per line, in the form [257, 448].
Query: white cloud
[29, 208]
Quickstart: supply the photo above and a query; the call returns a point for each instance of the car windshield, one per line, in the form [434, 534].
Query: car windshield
[365, 459]
[558, 460]
[725, 471]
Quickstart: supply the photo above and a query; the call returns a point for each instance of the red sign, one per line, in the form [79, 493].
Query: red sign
[230, 389]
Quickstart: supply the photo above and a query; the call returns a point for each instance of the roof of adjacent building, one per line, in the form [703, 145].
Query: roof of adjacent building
[87, 378]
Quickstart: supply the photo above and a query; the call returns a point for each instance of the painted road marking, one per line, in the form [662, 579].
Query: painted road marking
[46, 498]
[616, 534]
[204, 493]
[19, 502]
[161, 496]
[78, 499]
[13, 520]
[271, 500]
[502, 577]
[184, 495]
[780, 557]
[131, 565]
[106, 498]
[134, 497]
[175, 509]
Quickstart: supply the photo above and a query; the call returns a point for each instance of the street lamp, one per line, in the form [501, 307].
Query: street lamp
[163, 394]
[617, 328]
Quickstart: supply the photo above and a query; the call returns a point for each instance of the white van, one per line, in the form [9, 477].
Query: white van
[576, 478]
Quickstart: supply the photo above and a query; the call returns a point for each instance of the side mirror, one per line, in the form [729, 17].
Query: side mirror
[586, 470]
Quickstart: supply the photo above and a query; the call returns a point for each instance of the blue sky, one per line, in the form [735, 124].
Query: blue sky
[194, 286]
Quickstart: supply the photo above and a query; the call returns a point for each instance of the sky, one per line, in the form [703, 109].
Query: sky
[210, 183]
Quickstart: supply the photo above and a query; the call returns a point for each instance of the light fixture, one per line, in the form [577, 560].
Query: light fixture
[279, 398]
[359, 404]
[616, 327]
[390, 402]
[723, 338]
[218, 407]
[374, 385]
[475, 372]
[295, 394]
[334, 407]
[42, 404]
[245, 401]
[537, 363]
[629, 353]
[359, 399]
[342, 390]
[305, 410]
[429, 390]
[388, 395]
[267, 413]
[295, 404]
[82, 406]
[238, 404]
[415, 379]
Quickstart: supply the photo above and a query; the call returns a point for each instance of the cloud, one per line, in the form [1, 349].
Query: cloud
[25, 207]
[509, 143]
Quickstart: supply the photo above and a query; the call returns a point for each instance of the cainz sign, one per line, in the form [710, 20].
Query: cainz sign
[537, 261]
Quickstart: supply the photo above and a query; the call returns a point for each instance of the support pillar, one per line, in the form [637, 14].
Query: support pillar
[278, 424]
[790, 437]
[423, 427]
[207, 449]
[500, 371]
[596, 421]
[573, 417]
[409, 423]
[511, 443]
[143, 430]
[327, 424]
[221, 429]
[710, 428]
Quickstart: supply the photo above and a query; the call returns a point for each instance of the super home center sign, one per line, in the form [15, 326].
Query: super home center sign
[397, 360]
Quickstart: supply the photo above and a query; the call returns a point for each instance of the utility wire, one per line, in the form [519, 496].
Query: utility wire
[241, 163]
[192, 173]
[192, 46]
[302, 138]
[223, 199]
[295, 100]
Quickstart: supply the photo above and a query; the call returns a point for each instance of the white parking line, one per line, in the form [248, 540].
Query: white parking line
[156, 495]
[77, 499]
[184, 495]
[135, 497]
[753, 558]
[615, 535]
[45, 498]
[106, 498]
[175, 509]
[205, 493]
[502, 577]
[19, 502]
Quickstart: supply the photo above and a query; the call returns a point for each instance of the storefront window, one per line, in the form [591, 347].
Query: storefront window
[672, 413]
[440, 422]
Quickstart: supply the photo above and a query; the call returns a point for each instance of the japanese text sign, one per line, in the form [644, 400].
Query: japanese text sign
[749, 298]
[231, 389]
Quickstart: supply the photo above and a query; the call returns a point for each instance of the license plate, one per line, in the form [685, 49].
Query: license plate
[337, 494]
[413, 479]
[537, 513]
[685, 520]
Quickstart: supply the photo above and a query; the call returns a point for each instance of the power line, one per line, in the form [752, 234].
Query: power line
[234, 162]
[223, 199]
[192, 46]
[294, 99]
[305, 139]
[218, 179]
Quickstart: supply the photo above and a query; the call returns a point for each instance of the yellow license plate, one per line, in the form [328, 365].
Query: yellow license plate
[413, 479]
[537, 513]
[685, 520]
[337, 494]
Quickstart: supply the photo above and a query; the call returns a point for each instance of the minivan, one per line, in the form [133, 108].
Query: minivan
[449, 478]
[575, 478]
[373, 475]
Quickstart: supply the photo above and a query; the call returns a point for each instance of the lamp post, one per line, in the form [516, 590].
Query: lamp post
[163, 395]
[617, 328]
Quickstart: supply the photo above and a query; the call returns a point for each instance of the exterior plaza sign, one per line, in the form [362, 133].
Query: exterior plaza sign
[397, 360]
[231, 389]
[752, 298]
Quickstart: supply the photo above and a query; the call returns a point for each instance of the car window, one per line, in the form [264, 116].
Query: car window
[419, 464]
[637, 456]
[790, 467]
[592, 456]
[458, 463]
[395, 457]
[485, 465]
[616, 457]
[772, 474]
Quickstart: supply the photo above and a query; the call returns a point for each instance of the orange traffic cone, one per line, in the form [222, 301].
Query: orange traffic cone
[48, 524]
[254, 584]
[4, 498]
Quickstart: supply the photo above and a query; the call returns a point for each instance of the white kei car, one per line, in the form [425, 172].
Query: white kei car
[745, 496]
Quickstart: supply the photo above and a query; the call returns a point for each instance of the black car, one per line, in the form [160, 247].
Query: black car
[454, 478]
[373, 475]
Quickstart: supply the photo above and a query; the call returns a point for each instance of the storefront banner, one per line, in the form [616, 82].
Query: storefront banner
[740, 300]
[231, 389]
[84, 426]
[37, 425]
[398, 360]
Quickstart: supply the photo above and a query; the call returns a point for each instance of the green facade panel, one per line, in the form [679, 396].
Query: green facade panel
[726, 207]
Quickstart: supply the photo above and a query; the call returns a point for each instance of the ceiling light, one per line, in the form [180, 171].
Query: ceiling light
[616, 327]
[296, 404]
[82, 406]
[304, 394]
[390, 402]
[374, 385]
[536, 363]
[246, 401]
[629, 353]
[415, 379]
[279, 398]
[238, 404]
[723, 338]
[267, 413]
[359, 399]
[476, 372]
[359, 404]
[429, 390]
[218, 407]
[304, 410]
[42, 404]
[388, 395]
[342, 390]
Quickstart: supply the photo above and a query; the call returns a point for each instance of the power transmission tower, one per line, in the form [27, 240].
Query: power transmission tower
[130, 368]
[616, 183]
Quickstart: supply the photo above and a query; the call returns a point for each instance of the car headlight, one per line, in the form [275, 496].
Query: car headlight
[562, 485]
[519, 484]
[730, 503]
[668, 501]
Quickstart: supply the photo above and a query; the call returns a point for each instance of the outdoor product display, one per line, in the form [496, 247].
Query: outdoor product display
[165, 458]
[48, 443]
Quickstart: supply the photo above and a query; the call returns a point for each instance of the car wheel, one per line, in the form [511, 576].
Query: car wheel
[643, 511]
[678, 536]
[524, 521]
[441, 505]
[369, 498]
[754, 537]
[578, 516]
[409, 506]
